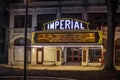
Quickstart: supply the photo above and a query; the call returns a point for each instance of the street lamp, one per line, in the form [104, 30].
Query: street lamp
[25, 38]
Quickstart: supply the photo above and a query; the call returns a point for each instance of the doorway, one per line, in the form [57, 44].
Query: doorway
[39, 57]
[74, 55]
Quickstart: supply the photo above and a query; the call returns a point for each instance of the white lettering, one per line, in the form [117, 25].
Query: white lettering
[56, 24]
[48, 26]
[71, 24]
[76, 25]
[61, 24]
[67, 24]
[51, 25]
[81, 26]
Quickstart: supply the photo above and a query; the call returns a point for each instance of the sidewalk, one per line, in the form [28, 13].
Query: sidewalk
[70, 72]
[70, 68]
[79, 68]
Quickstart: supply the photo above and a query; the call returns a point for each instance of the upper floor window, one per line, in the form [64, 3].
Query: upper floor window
[97, 20]
[19, 21]
[44, 18]
[117, 19]
[2, 48]
[117, 44]
[72, 15]
[2, 33]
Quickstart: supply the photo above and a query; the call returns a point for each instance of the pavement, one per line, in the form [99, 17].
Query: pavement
[58, 73]
[70, 68]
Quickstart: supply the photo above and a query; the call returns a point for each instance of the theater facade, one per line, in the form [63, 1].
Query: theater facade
[63, 41]
[72, 36]
[66, 41]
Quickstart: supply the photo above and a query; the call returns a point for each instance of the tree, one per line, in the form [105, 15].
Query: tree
[112, 6]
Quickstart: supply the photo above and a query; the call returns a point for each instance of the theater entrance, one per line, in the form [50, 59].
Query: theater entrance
[74, 55]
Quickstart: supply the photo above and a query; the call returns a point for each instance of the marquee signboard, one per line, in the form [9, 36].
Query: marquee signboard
[67, 37]
[67, 30]
[66, 24]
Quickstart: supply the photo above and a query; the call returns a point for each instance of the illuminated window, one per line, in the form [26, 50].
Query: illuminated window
[94, 55]
[19, 49]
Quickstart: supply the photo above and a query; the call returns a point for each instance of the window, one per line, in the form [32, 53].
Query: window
[44, 18]
[2, 33]
[20, 41]
[97, 20]
[117, 52]
[117, 43]
[19, 49]
[117, 57]
[74, 15]
[20, 19]
[118, 19]
[2, 47]
[94, 55]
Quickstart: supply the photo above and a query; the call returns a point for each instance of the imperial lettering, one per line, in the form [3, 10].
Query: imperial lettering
[65, 24]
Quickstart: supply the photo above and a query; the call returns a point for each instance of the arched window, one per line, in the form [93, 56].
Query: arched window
[20, 42]
[19, 50]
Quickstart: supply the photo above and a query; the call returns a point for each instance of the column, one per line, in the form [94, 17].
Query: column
[34, 21]
[84, 14]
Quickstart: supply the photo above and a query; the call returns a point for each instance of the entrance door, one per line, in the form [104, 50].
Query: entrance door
[29, 56]
[39, 56]
[74, 55]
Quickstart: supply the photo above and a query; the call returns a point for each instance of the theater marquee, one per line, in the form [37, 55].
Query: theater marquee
[67, 30]
[67, 37]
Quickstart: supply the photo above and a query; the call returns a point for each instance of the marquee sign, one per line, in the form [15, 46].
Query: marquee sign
[67, 37]
[66, 24]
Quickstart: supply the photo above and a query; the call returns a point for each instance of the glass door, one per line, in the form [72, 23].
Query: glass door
[69, 55]
[74, 55]
[77, 55]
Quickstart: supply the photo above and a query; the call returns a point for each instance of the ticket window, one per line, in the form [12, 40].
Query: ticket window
[95, 55]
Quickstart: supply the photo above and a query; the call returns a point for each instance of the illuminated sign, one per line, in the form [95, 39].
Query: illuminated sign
[66, 23]
[68, 37]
